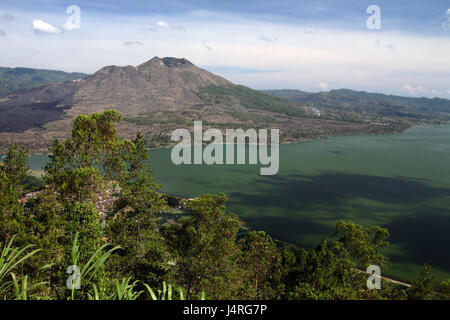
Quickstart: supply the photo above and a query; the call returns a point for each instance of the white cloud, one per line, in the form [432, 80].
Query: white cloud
[267, 39]
[392, 47]
[408, 88]
[132, 43]
[7, 17]
[445, 23]
[310, 30]
[179, 28]
[40, 26]
[2, 32]
[74, 21]
[322, 85]
[71, 26]
[420, 90]
[162, 24]
[207, 46]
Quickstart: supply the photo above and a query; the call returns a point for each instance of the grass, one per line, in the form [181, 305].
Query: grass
[20, 287]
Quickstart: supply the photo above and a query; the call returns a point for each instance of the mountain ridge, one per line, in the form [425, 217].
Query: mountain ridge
[162, 94]
[355, 104]
[21, 78]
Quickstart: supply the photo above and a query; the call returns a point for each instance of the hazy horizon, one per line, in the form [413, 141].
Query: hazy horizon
[309, 45]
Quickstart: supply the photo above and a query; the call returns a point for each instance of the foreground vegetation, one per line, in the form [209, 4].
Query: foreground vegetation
[58, 245]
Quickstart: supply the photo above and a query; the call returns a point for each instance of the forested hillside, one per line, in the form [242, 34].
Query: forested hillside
[65, 242]
[357, 105]
[17, 79]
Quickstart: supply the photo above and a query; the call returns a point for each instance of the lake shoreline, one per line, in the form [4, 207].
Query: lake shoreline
[390, 180]
[297, 141]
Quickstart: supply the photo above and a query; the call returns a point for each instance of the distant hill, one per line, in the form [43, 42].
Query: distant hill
[17, 79]
[164, 94]
[356, 105]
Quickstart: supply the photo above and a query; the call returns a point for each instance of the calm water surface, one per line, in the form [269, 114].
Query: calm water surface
[400, 181]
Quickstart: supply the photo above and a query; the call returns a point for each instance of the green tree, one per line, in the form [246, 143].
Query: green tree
[444, 290]
[331, 270]
[78, 172]
[261, 259]
[15, 166]
[75, 162]
[11, 218]
[422, 288]
[134, 222]
[363, 245]
[45, 227]
[325, 273]
[205, 251]
[139, 190]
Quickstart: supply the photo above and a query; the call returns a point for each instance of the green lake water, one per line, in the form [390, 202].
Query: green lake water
[399, 181]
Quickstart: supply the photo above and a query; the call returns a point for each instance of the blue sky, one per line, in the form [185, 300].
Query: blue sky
[409, 16]
[310, 45]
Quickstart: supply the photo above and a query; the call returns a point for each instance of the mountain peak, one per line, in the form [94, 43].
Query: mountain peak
[169, 62]
[175, 62]
[157, 85]
[155, 61]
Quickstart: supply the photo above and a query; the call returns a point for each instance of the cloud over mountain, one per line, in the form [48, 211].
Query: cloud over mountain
[419, 90]
[323, 85]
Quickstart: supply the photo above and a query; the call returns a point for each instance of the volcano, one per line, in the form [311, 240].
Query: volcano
[154, 98]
